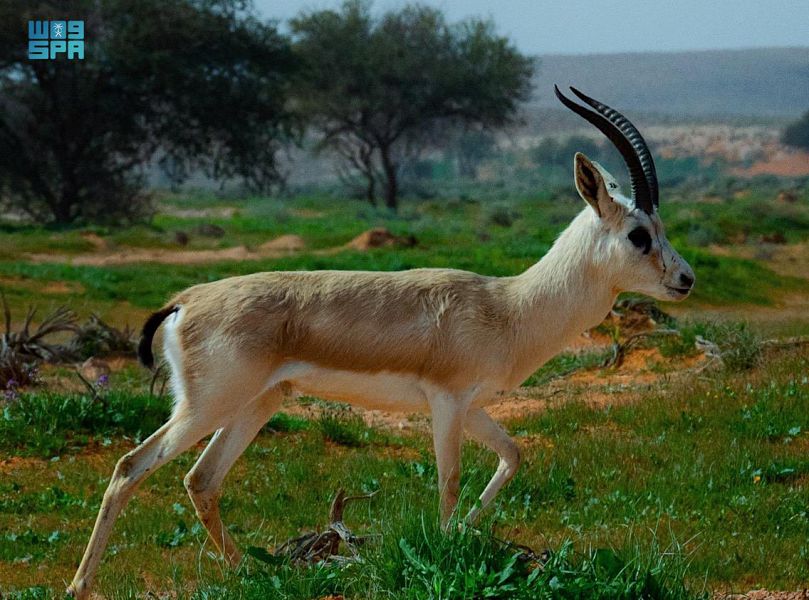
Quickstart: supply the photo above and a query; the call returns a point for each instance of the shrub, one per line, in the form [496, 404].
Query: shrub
[97, 338]
[739, 346]
[340, 425]
[284, 423]
[46, 423]
[502, 215]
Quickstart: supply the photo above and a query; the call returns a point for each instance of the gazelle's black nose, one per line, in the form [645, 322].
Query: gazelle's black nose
[686, 280]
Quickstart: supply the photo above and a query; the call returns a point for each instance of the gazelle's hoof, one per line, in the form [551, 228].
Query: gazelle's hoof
[77, 591]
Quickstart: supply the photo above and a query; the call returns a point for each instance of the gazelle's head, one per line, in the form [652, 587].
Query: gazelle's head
[630, 231]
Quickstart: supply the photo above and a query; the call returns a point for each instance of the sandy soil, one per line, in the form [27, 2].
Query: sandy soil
[275, 248]
[766, 595]
[785, 163]
[159, 255]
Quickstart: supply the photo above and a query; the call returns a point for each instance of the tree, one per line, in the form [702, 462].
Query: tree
[472, 147]
[551, 151]
[378, 90]
[195, 84]
[797, 134]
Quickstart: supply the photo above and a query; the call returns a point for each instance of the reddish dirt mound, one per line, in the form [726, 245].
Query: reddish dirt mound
[380, 237]
[98, 242]
[62, 287]
[284, 243]
[122, 257]
[783, 163]
[273, 248]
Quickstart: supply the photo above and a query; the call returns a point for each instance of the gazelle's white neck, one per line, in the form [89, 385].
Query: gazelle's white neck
[567, 292]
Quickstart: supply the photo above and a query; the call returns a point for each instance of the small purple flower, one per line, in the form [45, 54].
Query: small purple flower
[10, 393]
[103, 381]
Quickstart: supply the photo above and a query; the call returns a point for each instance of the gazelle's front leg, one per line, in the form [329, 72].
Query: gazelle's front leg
[447, 415]
[485, 430]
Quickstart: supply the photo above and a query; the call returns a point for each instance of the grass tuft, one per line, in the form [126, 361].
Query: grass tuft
[340, 425]
[47, 424]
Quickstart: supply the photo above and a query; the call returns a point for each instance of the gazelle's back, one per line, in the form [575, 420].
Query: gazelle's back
[428, 322]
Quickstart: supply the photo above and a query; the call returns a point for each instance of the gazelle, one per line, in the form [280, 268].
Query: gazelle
[441, 340]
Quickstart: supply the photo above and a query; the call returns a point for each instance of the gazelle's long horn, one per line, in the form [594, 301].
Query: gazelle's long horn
[629, 142]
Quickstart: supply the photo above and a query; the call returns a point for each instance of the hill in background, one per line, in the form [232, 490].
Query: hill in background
[763, 84]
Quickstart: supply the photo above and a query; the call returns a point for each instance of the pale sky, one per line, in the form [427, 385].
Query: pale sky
[602, 26]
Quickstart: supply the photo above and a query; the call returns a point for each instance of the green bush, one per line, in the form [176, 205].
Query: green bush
[739, 345]
[415, 560]
[48, 423]
[340, 425]
[283, 423]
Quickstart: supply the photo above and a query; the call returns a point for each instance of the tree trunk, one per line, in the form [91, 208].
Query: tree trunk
[392, 185]
[370, 190]
[367, 161]
[63, 209]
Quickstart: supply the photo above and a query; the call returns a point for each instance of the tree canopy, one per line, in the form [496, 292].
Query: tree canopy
[196, 84]
[797, 133]
[377, 90]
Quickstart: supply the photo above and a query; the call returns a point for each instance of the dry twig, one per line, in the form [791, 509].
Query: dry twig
[312, 547]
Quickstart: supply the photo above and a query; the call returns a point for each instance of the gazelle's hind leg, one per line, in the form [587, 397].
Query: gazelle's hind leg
[485, 430]
[204, 480]
[447, 437]
[181, 431]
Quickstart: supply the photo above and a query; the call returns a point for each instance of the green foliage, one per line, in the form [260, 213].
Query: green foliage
[719, 463]
[281, 422]
[566, 363]
[471, 147]
[28, 544]
[376, 88]
[560, 153]
[738, 344]
[501, 215]
[771, 414]
[340, 425]
[465, 563]
[448, 234]
[45, 423]
[797, 133]
[726, 280]
[74, 133]
[416, 560]
[683, 344]
[735, 221]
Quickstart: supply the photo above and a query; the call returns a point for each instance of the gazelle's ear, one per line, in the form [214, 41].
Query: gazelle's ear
[592, 187]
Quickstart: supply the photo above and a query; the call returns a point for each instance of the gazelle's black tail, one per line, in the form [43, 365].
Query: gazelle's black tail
[147, 334]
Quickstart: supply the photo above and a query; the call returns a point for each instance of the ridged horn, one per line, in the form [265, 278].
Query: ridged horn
[629, 142]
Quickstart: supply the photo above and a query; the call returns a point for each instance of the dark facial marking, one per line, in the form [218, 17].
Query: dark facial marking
[640, 238]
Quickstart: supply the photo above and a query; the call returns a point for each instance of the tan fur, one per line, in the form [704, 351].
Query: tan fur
[436, 324]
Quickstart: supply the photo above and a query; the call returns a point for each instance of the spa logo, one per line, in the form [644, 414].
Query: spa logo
[49, 39]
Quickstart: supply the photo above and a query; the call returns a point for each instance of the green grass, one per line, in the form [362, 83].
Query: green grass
[736, 220]
[694, 480]
[47, 423]
[342, 426]
[414, 560]
[566, 363]
[705, 482]
[500, 238]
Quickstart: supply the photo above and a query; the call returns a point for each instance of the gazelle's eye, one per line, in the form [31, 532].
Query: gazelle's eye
[640, 238]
